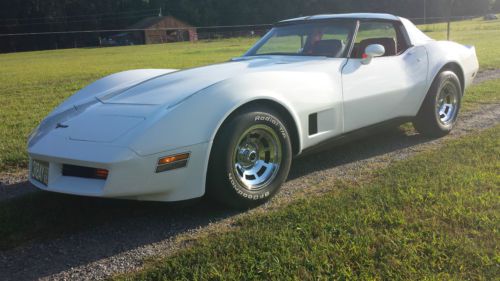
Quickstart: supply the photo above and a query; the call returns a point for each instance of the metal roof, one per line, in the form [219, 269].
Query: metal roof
[346, 16]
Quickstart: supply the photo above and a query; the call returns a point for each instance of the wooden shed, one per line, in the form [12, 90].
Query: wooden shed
[163, 30]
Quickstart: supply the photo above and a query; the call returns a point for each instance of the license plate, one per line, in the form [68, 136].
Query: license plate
[40, 171]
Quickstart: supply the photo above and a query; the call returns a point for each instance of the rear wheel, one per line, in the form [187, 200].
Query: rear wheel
[250, 159]
[439, 111]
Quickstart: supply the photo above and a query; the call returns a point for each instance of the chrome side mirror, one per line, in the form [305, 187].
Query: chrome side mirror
[372, 51]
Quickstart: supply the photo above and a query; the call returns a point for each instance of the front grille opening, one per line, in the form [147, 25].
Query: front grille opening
[84, 172]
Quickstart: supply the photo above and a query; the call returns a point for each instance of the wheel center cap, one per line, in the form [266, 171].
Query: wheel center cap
[252, 156]
[247, 156]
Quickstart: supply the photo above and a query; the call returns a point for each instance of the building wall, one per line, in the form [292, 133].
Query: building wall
[184, 33]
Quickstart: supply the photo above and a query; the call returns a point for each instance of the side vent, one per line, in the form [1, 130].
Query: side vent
[313, 124]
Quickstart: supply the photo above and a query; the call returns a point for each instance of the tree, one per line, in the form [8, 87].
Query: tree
[62, 15]
[496, 6]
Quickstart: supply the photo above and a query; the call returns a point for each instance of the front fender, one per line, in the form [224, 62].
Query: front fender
[198, 118]
[110, 84]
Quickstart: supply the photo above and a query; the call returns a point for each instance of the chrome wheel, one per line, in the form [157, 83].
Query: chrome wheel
[257, 157]
[447, 103]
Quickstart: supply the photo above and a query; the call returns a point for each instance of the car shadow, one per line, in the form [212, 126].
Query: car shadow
[338, 154]
[74, 231]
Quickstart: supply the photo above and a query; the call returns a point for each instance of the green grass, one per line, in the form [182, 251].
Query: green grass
[33, 83]
[484, 35]
[42, 215]
[484, 93]
[433, 217]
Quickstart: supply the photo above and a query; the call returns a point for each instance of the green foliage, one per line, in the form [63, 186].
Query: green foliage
[210, 12]
[63, 15]
[435, 216]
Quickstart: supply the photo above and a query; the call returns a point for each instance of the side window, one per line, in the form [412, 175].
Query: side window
[328, 40]
[383, 33]
[333, 32]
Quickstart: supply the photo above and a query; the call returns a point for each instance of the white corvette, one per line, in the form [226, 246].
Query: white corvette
[231, 130]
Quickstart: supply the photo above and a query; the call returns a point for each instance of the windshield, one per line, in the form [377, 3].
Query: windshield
[331, 39]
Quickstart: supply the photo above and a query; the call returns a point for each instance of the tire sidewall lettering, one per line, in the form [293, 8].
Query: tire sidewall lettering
[223, 180]
[246, 195]
[274, 122]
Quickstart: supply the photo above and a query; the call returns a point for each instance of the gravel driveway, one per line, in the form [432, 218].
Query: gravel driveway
[122, 244]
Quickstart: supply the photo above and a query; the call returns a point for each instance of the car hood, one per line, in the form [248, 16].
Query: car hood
[112, 106]
[172, 88]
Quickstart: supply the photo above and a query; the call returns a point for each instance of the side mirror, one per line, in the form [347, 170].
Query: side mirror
[372, 51]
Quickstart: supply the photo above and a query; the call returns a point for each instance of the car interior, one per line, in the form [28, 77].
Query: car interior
[334, 41]
[317, 46]
[388, 43]
[394, 42]
[328, 48]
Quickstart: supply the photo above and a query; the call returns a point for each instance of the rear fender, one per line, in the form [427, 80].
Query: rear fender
[442, 53]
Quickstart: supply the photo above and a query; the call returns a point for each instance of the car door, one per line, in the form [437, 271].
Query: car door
[389, 86]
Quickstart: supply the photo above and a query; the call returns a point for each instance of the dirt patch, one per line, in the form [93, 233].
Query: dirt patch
[485, 75]
[14, 184]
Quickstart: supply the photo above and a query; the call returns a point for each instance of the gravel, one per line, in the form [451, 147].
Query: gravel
[485, 75]
[125, 243]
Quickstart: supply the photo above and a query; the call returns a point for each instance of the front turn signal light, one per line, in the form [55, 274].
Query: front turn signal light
[174, 158]
[172, 162]
[101, 173]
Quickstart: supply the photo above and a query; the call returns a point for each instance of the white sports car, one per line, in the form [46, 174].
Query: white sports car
[230, 130]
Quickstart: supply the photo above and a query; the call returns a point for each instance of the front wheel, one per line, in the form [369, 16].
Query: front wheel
[250, 159]
[439, 111]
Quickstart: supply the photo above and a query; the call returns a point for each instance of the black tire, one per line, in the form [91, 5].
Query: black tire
[240, 140]
[435, 119]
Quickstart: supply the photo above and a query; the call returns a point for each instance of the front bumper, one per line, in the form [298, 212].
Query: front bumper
[130, 176]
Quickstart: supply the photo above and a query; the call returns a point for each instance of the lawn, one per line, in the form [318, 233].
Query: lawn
[433, 217]
[484, 35]
[45, 215]
[33, 83]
